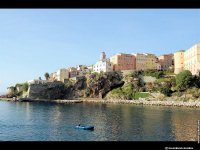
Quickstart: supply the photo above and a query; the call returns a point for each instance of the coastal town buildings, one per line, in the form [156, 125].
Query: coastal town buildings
[53, 76]
[181, 60]
[145, 61]
[192, 59]
[38, 81]
[166, 61]
[178, 61]
[73, 72]
[60, 75]
[123, 61]
[103, 64]
[82, 70]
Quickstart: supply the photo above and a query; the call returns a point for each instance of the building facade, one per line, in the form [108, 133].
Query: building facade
[123, 62]
[146, 61]
[73, 72]
[179, 61]
[104, 65]
[53, 76]
[62, 75]
[192, 59]
[166, 61]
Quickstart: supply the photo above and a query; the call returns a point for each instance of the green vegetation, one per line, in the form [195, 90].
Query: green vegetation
[166, 91]
[153, 73]
[184, 80]
[47, 76]
[128, 93]
[18, 90]
[183, 84]
[138, 95]
[25, 87]
[169, 71]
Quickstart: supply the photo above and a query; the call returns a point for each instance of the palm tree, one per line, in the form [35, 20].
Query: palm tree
[46, 75]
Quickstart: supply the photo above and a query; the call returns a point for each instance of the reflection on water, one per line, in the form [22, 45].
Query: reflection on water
[185, 125]
[113, 122]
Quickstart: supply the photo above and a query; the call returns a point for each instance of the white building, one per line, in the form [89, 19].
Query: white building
[192, 59]
[103, 65]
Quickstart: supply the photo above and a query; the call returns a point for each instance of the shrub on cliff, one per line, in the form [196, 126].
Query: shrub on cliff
[166, 91]
[153, 73]
[195, 92]
[25, 87]
[184, 80]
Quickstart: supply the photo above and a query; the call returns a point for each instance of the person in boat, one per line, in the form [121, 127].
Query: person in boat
[79, 124]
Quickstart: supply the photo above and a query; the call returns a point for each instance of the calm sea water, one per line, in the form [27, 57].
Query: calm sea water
[26, 121]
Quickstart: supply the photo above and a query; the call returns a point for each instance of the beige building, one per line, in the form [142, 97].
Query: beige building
[104, 65]
[179, 61]
[53, 76]
[73, 72]
[192, 59]
[146, 61]
[60, 75]
[123, 62]
[166, 61]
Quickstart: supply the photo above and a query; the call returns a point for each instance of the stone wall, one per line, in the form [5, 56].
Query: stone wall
[52, 90]
[147, 79]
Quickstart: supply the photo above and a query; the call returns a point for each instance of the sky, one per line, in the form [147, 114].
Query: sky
[35, 41]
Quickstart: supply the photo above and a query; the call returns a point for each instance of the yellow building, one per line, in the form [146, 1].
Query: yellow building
[146, 61]
[192, 59]
[178, 61]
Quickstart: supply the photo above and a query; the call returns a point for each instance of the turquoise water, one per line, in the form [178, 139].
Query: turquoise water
[40, 121]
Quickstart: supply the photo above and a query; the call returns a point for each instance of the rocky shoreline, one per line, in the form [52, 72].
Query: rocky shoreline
[42, 100]
[194, 104]
[148, 102]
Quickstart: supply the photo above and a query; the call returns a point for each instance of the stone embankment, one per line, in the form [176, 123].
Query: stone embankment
[42, 100]
[148, 102]
[151, 102]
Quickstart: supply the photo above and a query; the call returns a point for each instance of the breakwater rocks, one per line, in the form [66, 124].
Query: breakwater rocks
[148, 102]
[42, 100]
[137, 102]
[51, 101]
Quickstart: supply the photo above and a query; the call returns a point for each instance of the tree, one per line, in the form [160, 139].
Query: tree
[184, 80]
[196, 81]
[166, 89]
[47, 75]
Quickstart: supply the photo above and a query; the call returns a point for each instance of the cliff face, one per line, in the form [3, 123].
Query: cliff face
[94, 86]
[98, 85]
[54, 90]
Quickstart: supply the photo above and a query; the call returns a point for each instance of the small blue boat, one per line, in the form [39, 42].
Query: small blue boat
[85, 127]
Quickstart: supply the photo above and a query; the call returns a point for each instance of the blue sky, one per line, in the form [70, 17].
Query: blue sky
[35, 41]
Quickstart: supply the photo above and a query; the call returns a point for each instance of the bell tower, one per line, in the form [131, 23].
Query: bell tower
[103, 56]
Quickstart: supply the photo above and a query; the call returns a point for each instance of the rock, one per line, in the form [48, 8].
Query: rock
[50, 90]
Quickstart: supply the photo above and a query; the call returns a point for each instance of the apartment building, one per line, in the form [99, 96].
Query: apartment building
[145, 61]
[166, 61]
[192, 59]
